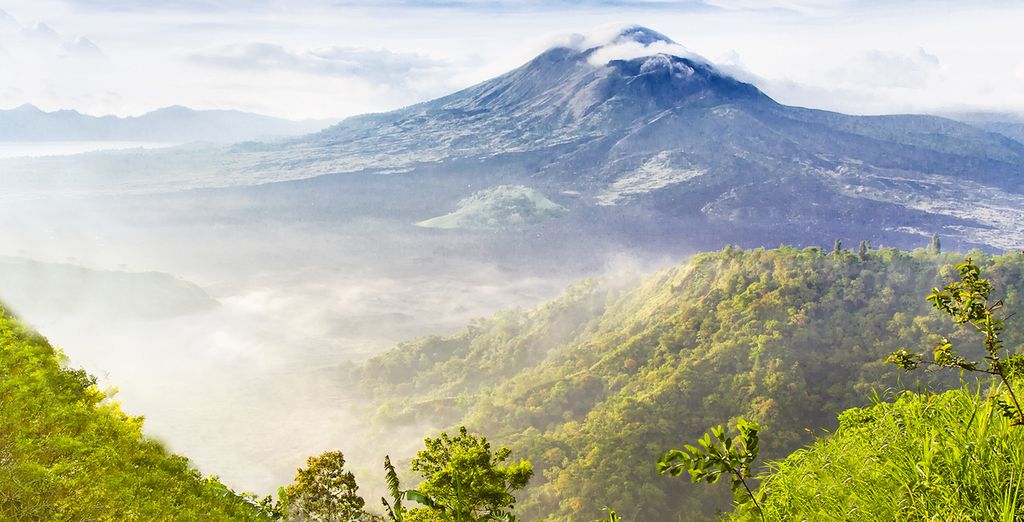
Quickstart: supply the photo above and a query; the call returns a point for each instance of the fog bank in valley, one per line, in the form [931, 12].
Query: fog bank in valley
[228, 336]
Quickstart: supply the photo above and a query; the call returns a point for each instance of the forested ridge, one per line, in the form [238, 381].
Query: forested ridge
[595, 385]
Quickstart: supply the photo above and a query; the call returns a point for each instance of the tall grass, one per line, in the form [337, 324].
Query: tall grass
[948, 457]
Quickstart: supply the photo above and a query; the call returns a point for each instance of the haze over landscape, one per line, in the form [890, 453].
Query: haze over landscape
[282, 228]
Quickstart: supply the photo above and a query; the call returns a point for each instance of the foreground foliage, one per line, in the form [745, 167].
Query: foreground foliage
[949, 456]
[721, 455]
[69, 453]
[968, 302]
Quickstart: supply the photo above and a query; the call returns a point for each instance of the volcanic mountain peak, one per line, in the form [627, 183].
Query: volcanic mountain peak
[641, 35]
[630, 42]
[586, 87]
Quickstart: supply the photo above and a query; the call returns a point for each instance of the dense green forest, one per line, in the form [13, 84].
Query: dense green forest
[593, 387]
[69, 453]
[583, 396]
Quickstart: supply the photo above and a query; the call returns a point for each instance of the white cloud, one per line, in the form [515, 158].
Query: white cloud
[619, 41]
[631, 50]
[378, 65]
[875, 68]
[315, 58]
[809, 7]
[7, 21]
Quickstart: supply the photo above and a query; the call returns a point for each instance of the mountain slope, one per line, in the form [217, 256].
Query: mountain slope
[170, 124]
[68, 453]
[498, 208]
[1008, 124]
[593, 386]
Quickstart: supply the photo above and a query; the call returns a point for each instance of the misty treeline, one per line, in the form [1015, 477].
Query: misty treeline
[589, 391]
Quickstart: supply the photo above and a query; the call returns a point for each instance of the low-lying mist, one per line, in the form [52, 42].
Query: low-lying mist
[228, 335]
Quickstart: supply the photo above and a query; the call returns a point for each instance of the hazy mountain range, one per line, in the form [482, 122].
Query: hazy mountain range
[1008, 124]
[170, 124]
[634, 136]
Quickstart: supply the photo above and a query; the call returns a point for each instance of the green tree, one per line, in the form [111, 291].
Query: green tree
[465, 481]
[936, 245]
[837, 248]
[719, 456]
[968, 303]
[862, 250]
[323, 491]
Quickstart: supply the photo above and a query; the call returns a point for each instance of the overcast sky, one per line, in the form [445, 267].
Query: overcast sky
[331, 58]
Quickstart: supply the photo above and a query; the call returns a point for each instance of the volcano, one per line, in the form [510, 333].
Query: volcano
[639, 134]
[639, 139]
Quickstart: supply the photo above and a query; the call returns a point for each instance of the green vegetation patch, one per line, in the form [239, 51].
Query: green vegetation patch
[69, 453]
[501, 207]
[949, 456]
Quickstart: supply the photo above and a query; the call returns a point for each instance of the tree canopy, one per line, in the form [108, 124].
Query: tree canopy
[323, 491]
[465, 480]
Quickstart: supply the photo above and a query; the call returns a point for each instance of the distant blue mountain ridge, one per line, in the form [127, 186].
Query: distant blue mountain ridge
[170, 124]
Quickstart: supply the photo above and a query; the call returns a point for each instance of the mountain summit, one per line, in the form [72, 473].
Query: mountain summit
[641, 35]
[583, 90]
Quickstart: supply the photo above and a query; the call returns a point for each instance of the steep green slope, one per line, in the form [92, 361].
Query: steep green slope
[950, 456]
[594, 386]
[67, 453]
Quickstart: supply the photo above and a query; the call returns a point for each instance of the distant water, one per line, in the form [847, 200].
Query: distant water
[37, 149]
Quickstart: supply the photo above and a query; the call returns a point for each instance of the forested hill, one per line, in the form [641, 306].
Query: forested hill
[594, 386]
[69, 453]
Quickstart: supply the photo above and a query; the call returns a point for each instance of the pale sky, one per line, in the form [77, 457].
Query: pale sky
[333, 58]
